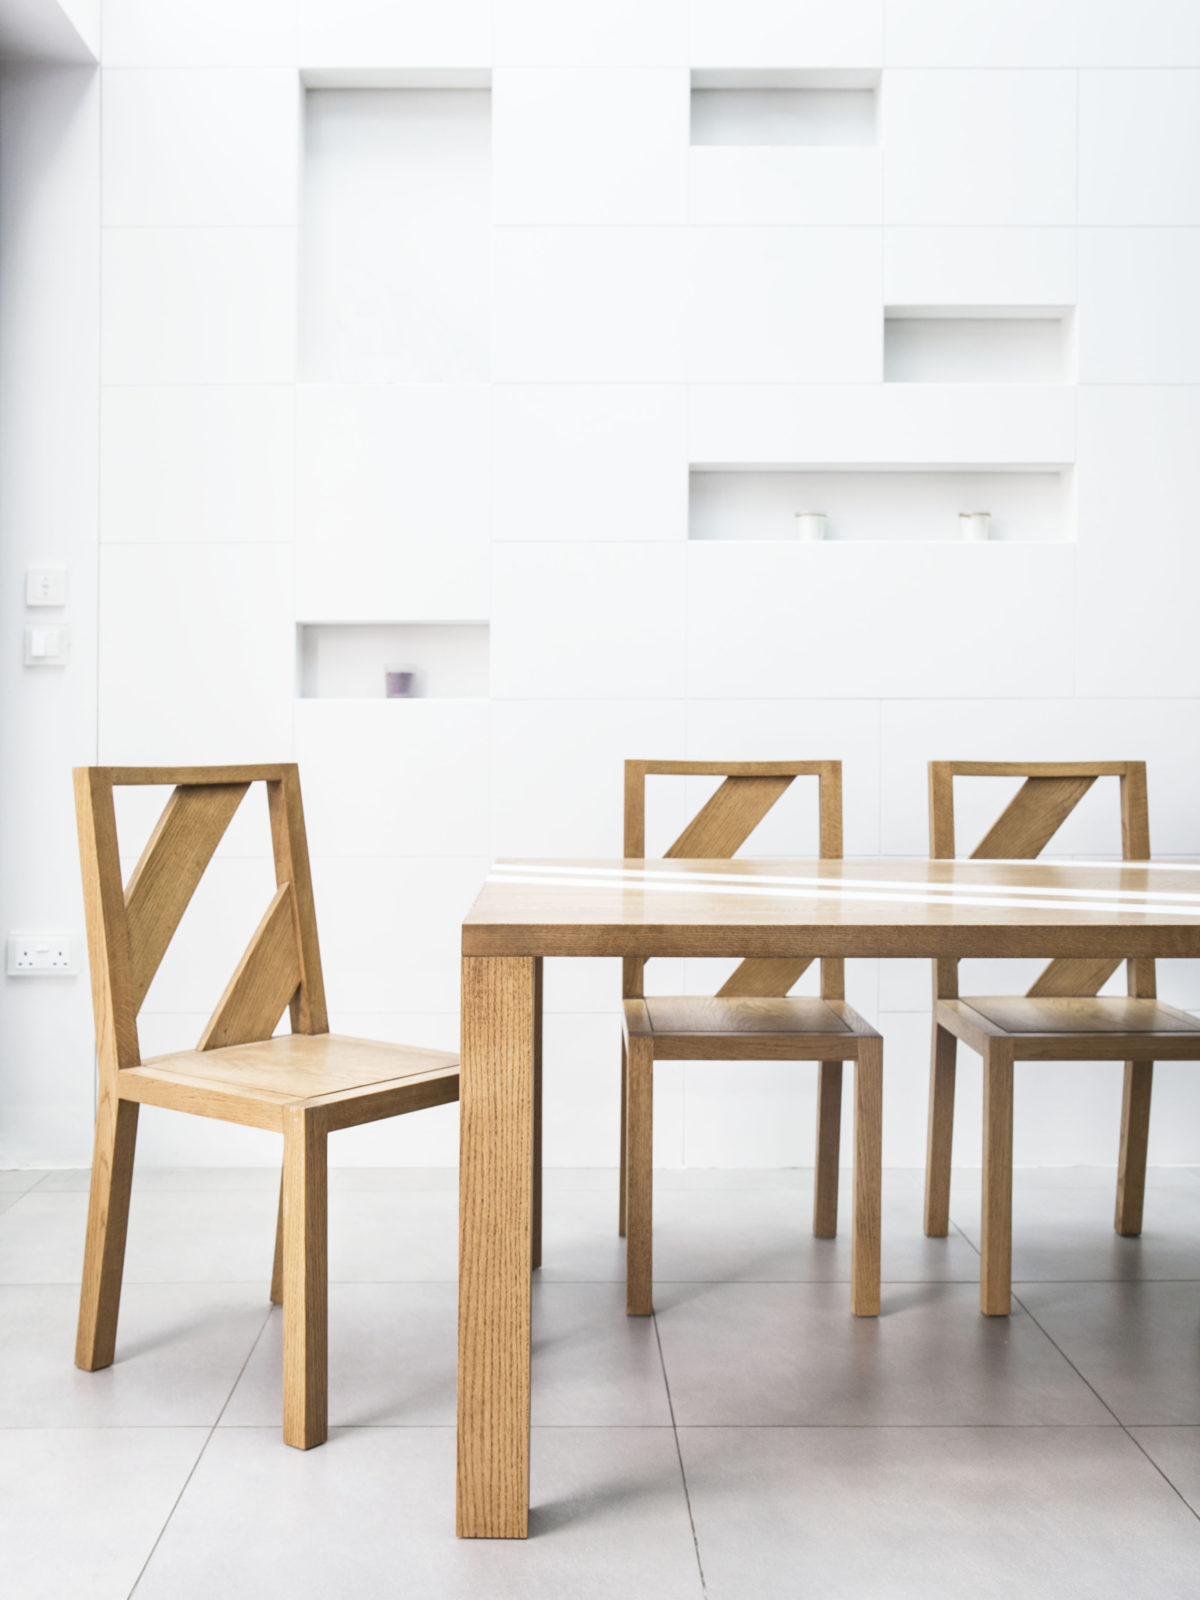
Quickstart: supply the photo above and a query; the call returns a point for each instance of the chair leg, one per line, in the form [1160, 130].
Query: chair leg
[639, 1181]
[829, 1141]
[624, 1163]
[1135, 1136]
[535, 1216]
[305, 1275]
[868, 1178]
[108, 1217]
[995, 1296]
[277, 1264]
[940, 1146]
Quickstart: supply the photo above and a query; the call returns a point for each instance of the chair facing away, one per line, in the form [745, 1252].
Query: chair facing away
[1061, 1018]
[751, 1018]
[304, 1084]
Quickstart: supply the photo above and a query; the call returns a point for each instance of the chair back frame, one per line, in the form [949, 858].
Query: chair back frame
[1049, 794]
[130, 926]
[717, 832]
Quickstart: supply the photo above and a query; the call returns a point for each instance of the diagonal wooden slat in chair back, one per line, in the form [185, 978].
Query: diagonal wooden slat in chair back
[718, 831]
[130, 929]
[1048, 796]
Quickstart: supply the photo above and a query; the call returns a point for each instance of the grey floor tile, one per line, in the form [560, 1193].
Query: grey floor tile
[935, 1514]
[75, 1180]
[196, 1236]
[1176, 1453]
[392, 1360]
[744, 1232]
[393, 1236]
[16, 1180]
[80, 1509]
[180, 1348]
[371, 1514]
[1066, 1232]
[1135, 1343]
[762, 1354]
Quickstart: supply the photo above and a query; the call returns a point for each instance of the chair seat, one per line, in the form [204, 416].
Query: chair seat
[700, 1027]
[256, 1083]
[1083, 1028]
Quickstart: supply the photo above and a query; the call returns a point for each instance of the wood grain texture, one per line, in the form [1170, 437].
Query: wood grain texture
[639, 1182]
[535, 1221]
[995, 1283]
[1062, 978]
[276, 1292]
[107, 927]
[868, 1178]
[1032, 817]
[495, 1194]
[305, 1280]
[724, 823]
[290, 843]
[940, 1137]
[828, 1152]
[1134, 1142]
[192, 825]
[267, 977]
[763, 978]
[108, 1218]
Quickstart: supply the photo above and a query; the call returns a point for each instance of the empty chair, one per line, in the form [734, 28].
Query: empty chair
[1061, 1018]
[304, 1084]
[752, 1018]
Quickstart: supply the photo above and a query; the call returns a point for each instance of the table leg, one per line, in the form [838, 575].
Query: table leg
[868, 1178]
[535, 1226]
[495, 1227]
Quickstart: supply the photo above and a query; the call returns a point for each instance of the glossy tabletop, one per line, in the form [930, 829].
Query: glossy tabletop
[836, 908]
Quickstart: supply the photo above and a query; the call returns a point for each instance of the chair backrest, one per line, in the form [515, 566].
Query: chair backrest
[1051, 791]
[129, 927]
[718, 831]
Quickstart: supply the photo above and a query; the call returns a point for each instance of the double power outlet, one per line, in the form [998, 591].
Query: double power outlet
[42, 955]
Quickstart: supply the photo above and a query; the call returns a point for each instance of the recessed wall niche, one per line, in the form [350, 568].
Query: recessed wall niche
[1026, 504]
[353, 661]
[793, 107]
[978, 344]
[396, 248]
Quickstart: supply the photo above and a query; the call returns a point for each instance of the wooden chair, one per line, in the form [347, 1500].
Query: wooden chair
[303, 1084]
[1061, 1018]
[751, 1018]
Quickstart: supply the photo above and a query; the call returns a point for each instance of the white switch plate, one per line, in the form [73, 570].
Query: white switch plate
[47, 646]
[46, 586]
[42, 955]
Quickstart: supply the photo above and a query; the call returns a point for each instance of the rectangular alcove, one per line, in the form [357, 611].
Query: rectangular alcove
[1032, 505]
[349, 660]
[396, 227]
[787, 107]
[978, 344]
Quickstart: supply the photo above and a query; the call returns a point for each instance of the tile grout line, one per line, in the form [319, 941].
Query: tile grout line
[1136, 1442]
[687, 1498]
[199, 1457]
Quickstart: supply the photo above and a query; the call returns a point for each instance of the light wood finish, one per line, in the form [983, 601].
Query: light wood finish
[752, 1017]
[535, 1221]
[634, 909]
[639, 1182]
[1062, 1017]
[868, 1177]
[494, 1293]
[304, 1085]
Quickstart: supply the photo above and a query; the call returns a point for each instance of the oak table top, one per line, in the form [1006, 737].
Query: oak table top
[862, 907]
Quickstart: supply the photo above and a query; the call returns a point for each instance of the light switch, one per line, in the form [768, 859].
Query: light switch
[46, 586]
[47, 647]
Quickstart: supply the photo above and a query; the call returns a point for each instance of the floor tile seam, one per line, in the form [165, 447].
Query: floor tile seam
[687, 1497]
[1127, 1430]
[175, 1504]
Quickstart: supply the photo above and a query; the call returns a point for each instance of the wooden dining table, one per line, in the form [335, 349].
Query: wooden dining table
[528, 910]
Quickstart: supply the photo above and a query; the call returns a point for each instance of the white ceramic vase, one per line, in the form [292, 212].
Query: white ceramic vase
[973, 525]
[810, 525]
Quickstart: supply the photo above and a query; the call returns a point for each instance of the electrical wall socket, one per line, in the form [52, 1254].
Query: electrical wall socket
[42, 955]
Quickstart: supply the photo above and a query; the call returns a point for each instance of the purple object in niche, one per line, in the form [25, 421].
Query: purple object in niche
[400, 683]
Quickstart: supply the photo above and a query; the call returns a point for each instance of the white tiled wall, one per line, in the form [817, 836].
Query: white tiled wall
[476, 399]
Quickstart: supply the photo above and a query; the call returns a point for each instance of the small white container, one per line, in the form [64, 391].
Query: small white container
[810, 525]
[973, 525]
